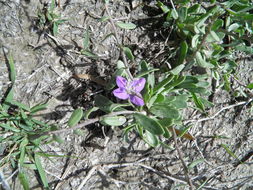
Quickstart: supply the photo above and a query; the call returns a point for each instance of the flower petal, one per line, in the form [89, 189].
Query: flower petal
[121, 82]
[121, 93]
[137, 100]
[138, 84]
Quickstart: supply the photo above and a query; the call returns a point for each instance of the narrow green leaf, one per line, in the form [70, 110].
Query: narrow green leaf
[12, 68]
[86, 40]
[198, 102]
[195, 163]
[177, 69]
[89, 111]
[18, 104]
[88, 54]
[230, 152]
[52, 6]
[23, 180]
[128, 26]
[163, 83]
[55, 28]
[128, 53]
[146, 72]
[22, 149]
[149, 124]
[104, 18]
[203, 184]
[39, 107]
[8, 98]
[75, 117]
[182, 52]
[9, 127]
[41, 171]
[113, 120]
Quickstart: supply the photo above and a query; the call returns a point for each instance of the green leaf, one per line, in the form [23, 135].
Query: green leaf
[8, 98]
[177, 69]
[182, 13]
[165, 111]
[113, 120]
[217, 24]
[198, 102]
[151, 139]
[250, 86]
[194, 9]
[233, 27]
[128, 26]
[88, 54]
[39, 107]
[104, 18]
[7, 126]
[195, 163]
[201, 62]
[174, 14]
[176, 81]
[22, 149]
[11, 68]
[194, 41]
[75, 117]
[230, 152]
[23, 180]
[55, 28]
[149, 124]
[146, 72]
[128, 53]
[86, 40]
[180, 101]
[182, 52]
[52, 6]
[164, 8]
[89, 111]
[41, 171]
[107, 105]
[19, 104]
[214, 36]
[166, 123]
[163, 83]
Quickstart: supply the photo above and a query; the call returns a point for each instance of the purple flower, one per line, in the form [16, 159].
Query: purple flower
[130, 90]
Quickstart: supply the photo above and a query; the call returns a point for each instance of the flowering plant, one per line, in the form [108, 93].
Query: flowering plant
[130, 90]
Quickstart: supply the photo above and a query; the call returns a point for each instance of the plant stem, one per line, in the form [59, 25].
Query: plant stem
[88, 122]
[182, 160]
[118, 42]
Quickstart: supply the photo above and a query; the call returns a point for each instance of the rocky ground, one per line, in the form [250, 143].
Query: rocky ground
[100, 159]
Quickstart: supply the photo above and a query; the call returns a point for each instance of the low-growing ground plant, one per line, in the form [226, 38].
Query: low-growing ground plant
[22, 136]
[50, 18]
